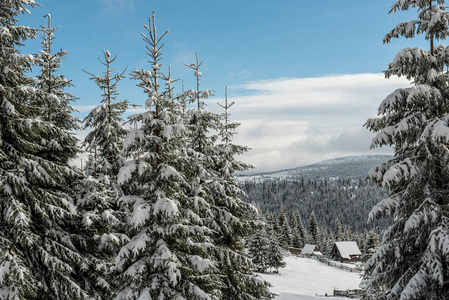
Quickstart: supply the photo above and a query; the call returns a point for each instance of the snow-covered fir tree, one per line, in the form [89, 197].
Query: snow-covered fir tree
[412, 260]
[275, 256]
[169, 255]
[105, 121]
[258, 249]
[285, 234]
[232, 219]
[98, 193]
[200, 121]
[313, 229]
[40, 255]
[297, 239]
[338, 231]
[54, 105]
[301, 228]
[371, 241]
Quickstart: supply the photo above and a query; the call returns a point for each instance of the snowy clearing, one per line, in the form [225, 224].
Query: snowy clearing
[304, 278]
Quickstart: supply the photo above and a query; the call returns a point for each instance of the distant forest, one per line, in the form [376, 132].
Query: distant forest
[348, 200]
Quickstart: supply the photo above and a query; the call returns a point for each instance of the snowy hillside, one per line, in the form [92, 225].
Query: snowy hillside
[304, 278]
[343, 167]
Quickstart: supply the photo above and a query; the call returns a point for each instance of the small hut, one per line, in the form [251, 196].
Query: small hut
[346, 252]
[294, 251]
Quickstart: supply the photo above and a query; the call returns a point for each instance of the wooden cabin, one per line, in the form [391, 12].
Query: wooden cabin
[346, 252]
[294, 251]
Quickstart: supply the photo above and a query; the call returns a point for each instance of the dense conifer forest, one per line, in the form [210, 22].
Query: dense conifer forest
[347, 200]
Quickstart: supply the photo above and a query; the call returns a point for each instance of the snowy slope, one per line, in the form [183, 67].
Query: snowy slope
[343, 167]
[304, 278]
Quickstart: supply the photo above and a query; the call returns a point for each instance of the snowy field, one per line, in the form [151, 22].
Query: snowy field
[304, 278]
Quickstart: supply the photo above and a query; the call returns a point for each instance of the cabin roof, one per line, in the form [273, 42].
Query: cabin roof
[347, 249]
[308, 249]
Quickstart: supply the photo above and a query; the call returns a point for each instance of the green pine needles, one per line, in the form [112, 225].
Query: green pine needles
[412, 260]
[155, 214]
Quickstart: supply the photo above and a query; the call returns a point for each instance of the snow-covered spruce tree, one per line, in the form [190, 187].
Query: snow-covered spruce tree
[233, 220]
[201, 121]
[412, 260]
[169, 254]
[313, 229]
[301, 229]
[107, 135]
[371, 241]
[39, 258]
[98, 193]
[285, 234]
[54, 105]
[297, 240]
[258, 250]
[275, 256]
[338, 231]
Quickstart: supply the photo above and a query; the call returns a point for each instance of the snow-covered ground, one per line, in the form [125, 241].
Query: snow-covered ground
[304, 278]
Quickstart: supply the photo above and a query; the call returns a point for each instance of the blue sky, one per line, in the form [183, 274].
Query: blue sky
[305, 74]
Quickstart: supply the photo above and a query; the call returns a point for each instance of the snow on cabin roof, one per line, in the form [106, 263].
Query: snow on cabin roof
[347, 249]
[308, 249]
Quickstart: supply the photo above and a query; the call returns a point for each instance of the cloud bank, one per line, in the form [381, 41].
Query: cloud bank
[289, 122]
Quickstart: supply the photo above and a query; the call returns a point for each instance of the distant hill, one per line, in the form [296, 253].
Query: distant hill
[332, 189]
[344, 167]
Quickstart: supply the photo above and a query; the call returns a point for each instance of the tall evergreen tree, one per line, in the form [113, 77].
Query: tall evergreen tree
[258, 249]
[338, 231]
[39, 247]
[98, 193]
[313, 229]
[169, 255]
[275, 256]
[285, 233]
[372, 241]
[301, 229]
[412, 261]
[107, 135]
[56, 110]
[297, 240]
[233, 220]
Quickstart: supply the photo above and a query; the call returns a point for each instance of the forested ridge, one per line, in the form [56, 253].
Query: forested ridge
[348, 200]
[321, 189]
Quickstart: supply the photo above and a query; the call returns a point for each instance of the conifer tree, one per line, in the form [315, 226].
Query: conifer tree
[313, 229]
[98, 194]
[201, 121]
[272, 224]
[169, 255]
[107, 135]
[55, 105]
[412, 261]
[232, 219]
[275, 256]
[259, 250]
[297, 240]
[338, 231]
[372, 241]
[39, 248]
[301, 229]
[285, 234]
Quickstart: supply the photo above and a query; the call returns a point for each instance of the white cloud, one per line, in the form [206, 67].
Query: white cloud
[290, 122]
